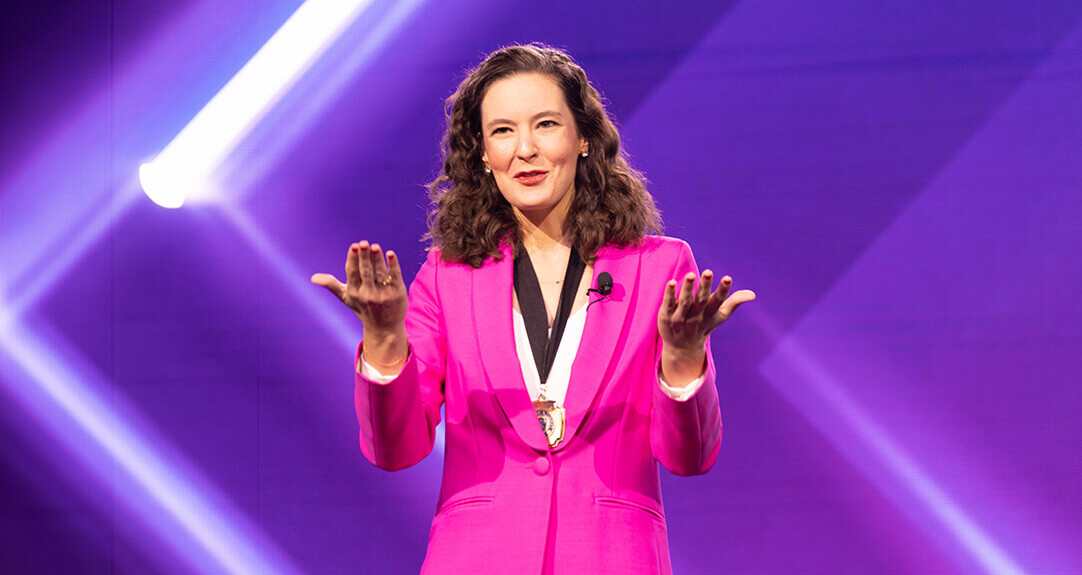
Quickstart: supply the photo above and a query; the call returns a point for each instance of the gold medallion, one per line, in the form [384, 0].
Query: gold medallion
[551, 417]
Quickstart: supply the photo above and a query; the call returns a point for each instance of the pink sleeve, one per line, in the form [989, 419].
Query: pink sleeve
[398, 418]
[685, 436]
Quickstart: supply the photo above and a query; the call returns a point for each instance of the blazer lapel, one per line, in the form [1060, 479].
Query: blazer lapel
[604, 326]
[492, 289]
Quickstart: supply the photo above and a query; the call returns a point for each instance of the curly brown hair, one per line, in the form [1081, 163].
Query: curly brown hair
[470, 219]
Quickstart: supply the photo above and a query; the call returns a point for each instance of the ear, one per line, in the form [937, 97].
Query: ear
[584, 145]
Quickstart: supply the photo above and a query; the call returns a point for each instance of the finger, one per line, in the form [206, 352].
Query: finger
[686, 292]
[716, 298]
[331, 283]
[395, 267]
[722, 292]
[379, 267]
[353, 273]
[364, 263]
[702, 293]
[668, 301]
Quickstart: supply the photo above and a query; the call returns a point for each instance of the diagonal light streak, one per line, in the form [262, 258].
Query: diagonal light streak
[244, 171]
[64, 256]
[57, 387]
[820, 397]
[219, 126]
[311, 297]
[941, 509]
[185, 167]
[69, 181]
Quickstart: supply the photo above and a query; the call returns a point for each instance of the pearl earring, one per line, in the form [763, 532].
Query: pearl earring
[488, 169]
[585, 153]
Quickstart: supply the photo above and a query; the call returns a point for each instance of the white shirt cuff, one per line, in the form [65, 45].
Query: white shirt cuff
[372, 373]
[678, 393]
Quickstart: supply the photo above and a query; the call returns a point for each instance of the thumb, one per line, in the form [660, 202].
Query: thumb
[331, 283]
[736, 300]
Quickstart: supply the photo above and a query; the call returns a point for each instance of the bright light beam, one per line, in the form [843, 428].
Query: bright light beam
[61, 200]
[169, 497]
[183, 170]
[244, 173]
[54, 384]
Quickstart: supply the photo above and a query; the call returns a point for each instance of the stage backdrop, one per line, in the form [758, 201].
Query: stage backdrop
[900, 183]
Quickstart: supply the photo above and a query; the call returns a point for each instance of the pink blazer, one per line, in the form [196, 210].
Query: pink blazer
[509, 503]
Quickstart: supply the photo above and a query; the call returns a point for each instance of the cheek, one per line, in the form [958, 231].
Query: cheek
[564, 152]
[499, 153]
[566, 157]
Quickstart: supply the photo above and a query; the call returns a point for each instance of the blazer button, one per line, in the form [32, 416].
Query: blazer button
[541, 466]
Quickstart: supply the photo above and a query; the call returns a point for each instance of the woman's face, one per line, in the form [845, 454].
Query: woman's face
[530, 142]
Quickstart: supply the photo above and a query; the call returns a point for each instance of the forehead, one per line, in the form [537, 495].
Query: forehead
[522, 95]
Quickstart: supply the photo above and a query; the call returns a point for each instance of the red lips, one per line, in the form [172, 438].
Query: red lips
[531, 177]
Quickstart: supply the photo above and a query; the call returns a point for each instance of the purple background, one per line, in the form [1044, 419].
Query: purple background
[899, 183]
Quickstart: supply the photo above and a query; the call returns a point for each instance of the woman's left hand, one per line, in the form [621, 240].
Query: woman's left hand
[685, 320]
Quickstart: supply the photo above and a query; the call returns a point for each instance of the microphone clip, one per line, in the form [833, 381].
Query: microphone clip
[604, 287]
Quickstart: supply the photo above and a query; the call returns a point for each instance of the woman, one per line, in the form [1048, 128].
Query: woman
[552, 327]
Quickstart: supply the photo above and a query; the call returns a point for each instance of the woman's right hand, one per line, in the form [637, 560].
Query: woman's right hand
[374, 289]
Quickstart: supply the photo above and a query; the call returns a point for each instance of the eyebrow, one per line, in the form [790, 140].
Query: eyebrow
[495, 121]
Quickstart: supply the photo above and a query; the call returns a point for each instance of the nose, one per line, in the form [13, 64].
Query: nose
[527, 147]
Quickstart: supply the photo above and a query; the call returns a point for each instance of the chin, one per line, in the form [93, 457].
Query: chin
[531, 208]
[526, 199]
[533, 200]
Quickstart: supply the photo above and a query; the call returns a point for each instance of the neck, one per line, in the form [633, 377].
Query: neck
[543, 230]
[541, 238]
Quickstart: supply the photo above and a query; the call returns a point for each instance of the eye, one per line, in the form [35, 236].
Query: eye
[501, 130]
[547, 124]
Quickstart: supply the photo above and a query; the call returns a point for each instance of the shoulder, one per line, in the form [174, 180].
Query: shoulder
[438, 277]
[665, 244]
[450, 272]
[652, 256]
[655, 248]
[435, 266]
[435, 259]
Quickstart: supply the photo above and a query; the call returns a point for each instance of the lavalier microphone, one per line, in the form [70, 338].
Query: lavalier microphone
[604, 286]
